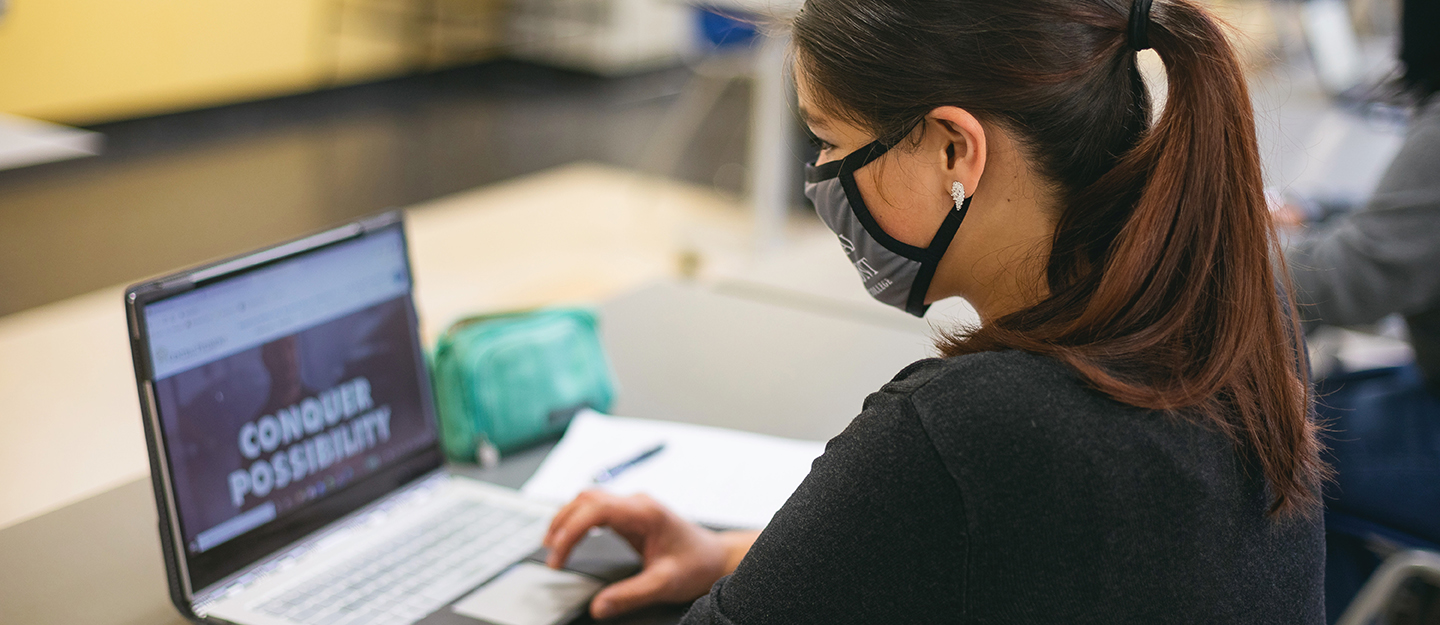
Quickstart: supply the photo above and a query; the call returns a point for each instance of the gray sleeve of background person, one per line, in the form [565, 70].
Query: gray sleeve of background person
[1386, 258]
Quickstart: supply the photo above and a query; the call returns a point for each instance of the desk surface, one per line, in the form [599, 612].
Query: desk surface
[683, 352]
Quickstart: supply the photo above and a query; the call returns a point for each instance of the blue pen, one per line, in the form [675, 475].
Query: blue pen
[613, 472]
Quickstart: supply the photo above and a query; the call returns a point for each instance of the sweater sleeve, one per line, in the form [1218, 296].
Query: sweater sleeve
[1383, 259]
[875, 533]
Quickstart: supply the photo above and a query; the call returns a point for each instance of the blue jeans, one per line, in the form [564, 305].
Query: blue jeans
[1385, 447]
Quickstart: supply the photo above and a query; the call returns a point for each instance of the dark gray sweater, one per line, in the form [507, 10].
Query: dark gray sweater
[996, 488]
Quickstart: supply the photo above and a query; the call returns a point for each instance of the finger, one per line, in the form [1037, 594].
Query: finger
[574, 527]
[568, 510]
[559, 519]
[633, 517]
[646, 588]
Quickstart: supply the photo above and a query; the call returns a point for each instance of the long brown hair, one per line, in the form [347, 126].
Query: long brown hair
[1162, 274]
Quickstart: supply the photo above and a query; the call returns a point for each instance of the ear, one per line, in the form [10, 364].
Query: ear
[961, 144]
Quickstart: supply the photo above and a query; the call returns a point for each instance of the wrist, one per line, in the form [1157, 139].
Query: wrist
[736, 544]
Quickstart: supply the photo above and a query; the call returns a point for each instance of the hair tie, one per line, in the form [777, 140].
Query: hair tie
[1139, 22]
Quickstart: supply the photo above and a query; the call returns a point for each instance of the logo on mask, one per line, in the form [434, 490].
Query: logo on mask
[866, 271]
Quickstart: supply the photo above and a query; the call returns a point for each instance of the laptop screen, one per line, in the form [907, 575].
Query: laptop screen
[279, 387]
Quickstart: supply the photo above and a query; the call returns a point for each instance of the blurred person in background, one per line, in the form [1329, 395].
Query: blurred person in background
[1126, 436]
[1358, 268]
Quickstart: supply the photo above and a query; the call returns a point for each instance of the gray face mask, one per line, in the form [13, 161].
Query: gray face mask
[893, 272]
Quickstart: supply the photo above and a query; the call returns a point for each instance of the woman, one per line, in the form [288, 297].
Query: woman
[1125, 437]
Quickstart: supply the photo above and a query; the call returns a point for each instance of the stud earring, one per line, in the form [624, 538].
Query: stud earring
[957, 192]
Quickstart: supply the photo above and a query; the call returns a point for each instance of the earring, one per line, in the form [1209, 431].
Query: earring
[957, 191]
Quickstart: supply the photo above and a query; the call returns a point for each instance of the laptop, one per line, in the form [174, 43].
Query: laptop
[294, 451]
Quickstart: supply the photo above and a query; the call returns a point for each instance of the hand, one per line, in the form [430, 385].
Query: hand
[1287, 215]
[681, 559]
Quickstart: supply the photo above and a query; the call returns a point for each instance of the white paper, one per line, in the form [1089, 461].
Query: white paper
[529, 594]
[715, 476]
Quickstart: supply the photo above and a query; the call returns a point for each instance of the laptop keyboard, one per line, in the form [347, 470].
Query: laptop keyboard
[402, 580]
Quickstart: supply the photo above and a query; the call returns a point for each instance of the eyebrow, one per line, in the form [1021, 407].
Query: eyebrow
[814, 119]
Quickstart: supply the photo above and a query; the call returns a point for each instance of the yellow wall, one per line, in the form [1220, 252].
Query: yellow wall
[86, 61]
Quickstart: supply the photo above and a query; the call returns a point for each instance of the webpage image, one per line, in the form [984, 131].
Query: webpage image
[258, 433]
[283, 385]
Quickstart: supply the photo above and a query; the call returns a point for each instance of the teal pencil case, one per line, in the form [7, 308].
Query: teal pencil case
[510, 380]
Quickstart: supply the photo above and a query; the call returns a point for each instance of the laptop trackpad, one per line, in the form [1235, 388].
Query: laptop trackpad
[530, 594]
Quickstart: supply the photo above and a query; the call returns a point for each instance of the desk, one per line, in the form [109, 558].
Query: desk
[752, 360]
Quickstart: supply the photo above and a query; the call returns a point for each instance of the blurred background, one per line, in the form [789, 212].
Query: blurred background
[177, 131]
[218, 127]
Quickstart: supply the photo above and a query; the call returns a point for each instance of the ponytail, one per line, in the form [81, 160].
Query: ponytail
[1163, 288]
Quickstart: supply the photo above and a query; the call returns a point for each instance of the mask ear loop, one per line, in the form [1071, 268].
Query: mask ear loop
[867, 154]
[915, 303]
[870, 152]
[848, 166]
